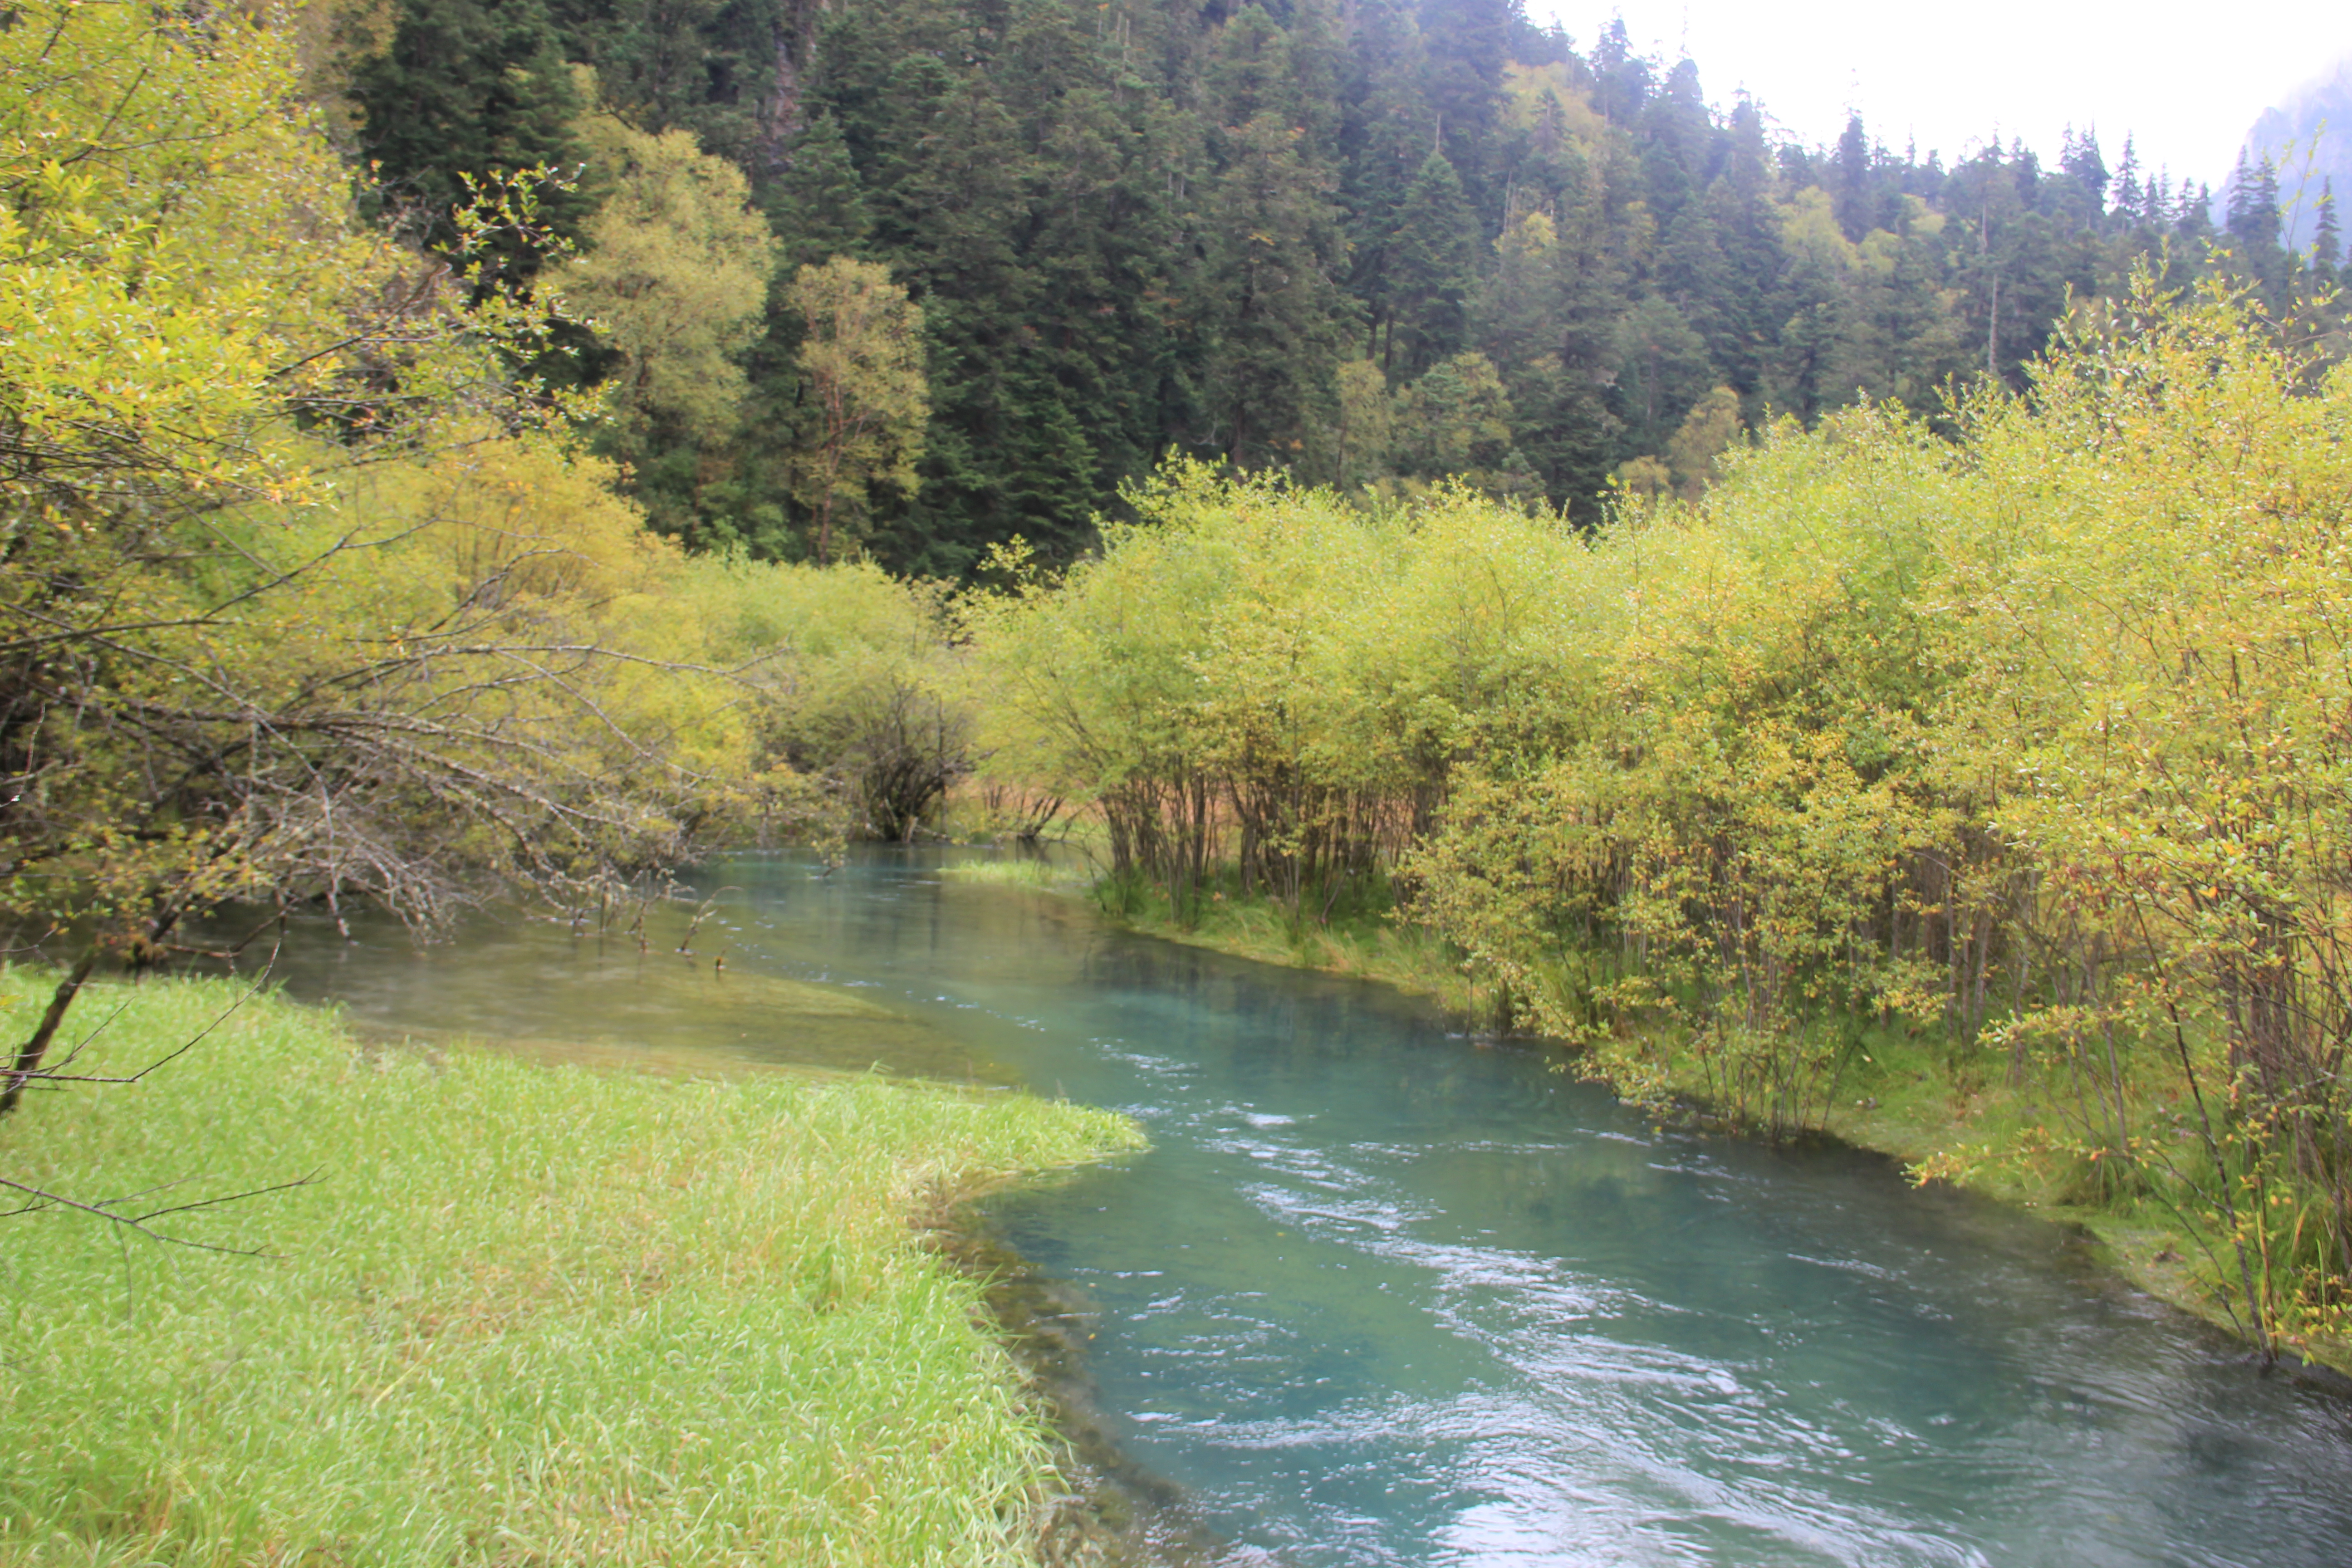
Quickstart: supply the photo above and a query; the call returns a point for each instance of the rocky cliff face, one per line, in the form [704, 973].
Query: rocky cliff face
[2308, 135]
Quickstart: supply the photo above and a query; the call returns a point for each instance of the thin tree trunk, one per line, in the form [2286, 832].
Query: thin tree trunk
[30, 1054]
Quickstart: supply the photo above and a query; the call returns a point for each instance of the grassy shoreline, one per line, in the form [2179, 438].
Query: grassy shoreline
[1899, 1100]
[524, 1314]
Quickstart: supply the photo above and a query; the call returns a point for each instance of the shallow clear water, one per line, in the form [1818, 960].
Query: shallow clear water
[1379, 1295]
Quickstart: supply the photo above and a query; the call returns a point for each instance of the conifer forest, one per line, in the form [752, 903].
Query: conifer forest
[1367, 244]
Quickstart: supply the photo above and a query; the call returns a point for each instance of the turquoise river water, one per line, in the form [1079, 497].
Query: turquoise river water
[1379, 1294]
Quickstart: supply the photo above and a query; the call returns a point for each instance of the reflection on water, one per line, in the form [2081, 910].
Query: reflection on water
[616, 995]
[1379, 1296]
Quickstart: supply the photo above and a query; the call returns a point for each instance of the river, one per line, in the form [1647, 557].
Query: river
[1382, 1295]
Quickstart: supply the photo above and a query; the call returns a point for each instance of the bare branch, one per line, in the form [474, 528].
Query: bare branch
[40, 1198]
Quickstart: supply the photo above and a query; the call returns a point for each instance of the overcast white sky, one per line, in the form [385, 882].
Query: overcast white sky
[2187, 82]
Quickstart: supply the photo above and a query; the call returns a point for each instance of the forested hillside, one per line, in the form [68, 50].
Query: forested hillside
[1370, 242]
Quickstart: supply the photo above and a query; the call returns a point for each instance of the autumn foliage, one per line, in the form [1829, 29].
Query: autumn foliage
[313, 585]
[2033, 743]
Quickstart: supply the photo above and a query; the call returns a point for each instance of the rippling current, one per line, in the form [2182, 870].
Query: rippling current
[1380, 1295]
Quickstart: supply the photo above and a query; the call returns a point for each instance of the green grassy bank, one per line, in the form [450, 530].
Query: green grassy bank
[522, 1315]
[1361, 937]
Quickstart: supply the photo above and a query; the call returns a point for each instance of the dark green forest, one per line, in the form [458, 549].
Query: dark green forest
[1371, 242]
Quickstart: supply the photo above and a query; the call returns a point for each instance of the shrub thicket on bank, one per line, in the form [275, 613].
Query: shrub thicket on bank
[2033, 743]
[312, 589]
[521, 1315]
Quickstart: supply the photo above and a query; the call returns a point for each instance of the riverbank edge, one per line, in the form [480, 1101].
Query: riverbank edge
[1101, 1510]
[923, 1192]
[2151, 1258]
[1111, 1510]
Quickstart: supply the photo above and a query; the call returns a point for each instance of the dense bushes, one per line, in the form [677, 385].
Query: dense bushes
[862, 704]
[1262, 676]
[2033, 743]
[309, 587]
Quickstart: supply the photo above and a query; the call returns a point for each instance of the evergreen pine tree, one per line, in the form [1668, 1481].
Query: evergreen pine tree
[816, 202]
[1741, 205]
[2238, 217]
[2253, 224]
[728, 71]
[1622, 78]
[1662, 367]
[1695, 272]
[470, 88]
[1430, 274]
[2326, 246]
[1277, 321]
[1850, 181]
[1678, 144]
[1468, 46]
[1387, 128]
[2196, 212]
[2131, 201]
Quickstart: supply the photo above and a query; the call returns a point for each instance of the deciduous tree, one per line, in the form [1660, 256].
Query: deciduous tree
[301, 599]
[674, 272]
[866, 394]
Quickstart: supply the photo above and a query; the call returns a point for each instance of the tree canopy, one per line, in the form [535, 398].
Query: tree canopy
[1158, 230]
[310, 592]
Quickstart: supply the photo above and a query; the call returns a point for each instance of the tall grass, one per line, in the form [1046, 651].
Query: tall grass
[1032, 874]
[523, 1315]
[1363, 936]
